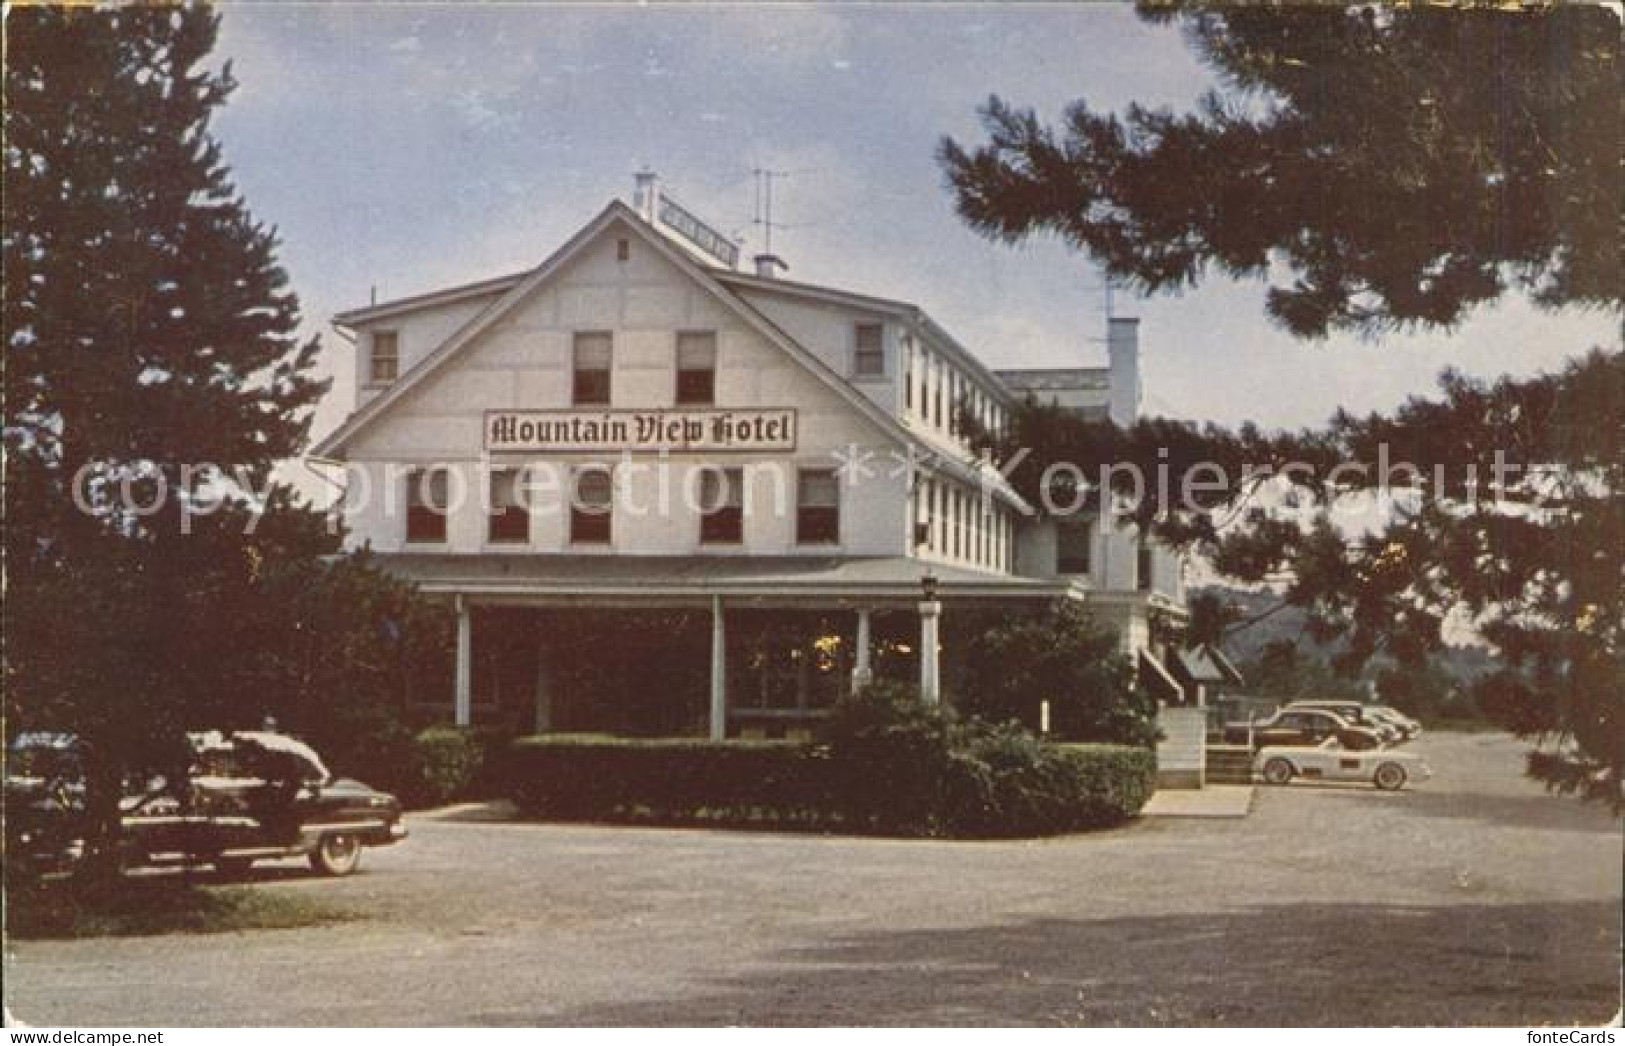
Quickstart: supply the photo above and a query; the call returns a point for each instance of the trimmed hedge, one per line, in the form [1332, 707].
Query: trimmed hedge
[994, 781]
[673, 781]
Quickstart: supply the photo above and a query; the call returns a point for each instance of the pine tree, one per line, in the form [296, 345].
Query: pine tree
[1405, 164]
[149, 330]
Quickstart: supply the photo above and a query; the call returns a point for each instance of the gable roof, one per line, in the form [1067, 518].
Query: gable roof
[444, 296]
[910, 313]
[617, 212]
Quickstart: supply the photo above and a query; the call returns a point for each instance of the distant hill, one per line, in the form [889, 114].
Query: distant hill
[1464, 663]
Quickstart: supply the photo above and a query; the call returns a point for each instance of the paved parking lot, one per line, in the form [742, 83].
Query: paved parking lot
[1474, 899]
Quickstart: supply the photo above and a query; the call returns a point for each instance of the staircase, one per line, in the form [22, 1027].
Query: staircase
[1229, 764]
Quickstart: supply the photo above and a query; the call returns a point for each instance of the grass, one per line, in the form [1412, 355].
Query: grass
[141, 907]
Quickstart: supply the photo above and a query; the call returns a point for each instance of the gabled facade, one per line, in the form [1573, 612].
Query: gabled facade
[635, 424]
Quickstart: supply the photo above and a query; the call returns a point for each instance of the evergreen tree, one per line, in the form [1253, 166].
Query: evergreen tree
[1404, 163]
[149, 330]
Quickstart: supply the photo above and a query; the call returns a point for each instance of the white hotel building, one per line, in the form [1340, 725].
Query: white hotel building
[637, 368]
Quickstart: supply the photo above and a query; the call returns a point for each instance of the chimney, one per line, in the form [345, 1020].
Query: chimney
[645, 194]
[768, 266]
[1123, 359]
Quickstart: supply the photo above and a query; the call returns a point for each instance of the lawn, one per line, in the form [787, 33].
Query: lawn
[151, 905]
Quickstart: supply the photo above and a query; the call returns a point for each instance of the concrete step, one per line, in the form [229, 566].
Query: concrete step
[1229, 764]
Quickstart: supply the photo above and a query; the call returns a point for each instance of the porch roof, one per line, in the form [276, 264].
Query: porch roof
[640, 578]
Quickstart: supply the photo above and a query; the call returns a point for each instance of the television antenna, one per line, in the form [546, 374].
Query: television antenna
[763, 213]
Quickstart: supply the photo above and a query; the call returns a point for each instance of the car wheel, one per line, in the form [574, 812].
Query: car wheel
[233, 867]
[336, 854]
[1389, 777]
[1277, 771]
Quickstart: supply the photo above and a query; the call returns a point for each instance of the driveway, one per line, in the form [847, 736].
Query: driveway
[1473, 899]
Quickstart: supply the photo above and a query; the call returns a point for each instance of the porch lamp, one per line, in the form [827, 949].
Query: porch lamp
[930, 613]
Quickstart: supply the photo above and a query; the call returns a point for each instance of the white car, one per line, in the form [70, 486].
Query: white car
[1330, 761]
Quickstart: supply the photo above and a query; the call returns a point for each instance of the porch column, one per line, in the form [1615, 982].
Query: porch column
[930, 678]
[863, 672]
[719, 671]
[544, 688]
[463, 700]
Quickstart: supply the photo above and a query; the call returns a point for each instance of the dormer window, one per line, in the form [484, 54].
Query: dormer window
[868, 354]
[384, 361]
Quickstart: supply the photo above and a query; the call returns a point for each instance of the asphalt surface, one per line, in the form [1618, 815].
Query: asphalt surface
[1472, 899]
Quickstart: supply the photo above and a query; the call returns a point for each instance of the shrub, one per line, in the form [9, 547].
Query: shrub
[887, 763]
[669, 781]
[888, 753]
[1009, 783]
[448, 761]
[1062, 656]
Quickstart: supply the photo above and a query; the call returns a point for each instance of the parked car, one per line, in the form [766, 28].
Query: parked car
[45, 801]
[248, 796]
[1357, 713]
[1410, 728]
[1302, 726]
[1331, 761]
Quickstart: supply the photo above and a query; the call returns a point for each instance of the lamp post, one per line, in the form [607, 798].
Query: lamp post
[930, 613]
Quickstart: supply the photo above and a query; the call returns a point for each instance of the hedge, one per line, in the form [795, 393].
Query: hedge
[999, 783]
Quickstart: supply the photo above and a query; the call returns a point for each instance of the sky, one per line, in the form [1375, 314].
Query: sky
[410, 147]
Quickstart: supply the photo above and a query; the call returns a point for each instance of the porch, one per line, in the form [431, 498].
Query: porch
[697, 646]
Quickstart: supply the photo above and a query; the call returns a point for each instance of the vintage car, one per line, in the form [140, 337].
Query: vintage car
[1357, 713]
[1331, 761]
[45, 799]
[1410, 728]
[1301, 726]
[248, 796]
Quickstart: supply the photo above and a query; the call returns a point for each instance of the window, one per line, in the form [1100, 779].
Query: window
[922, 515]
[509, 520]
[384, 365]
[426, 505]
[925, 383]
[1142, 566]
[696, 368]
[818, 507]
[623, 249]
[592, 505]
[941, 516]
[908, 376]
[592, 355]
[869, 355]
[722, 506]
[1074, 547]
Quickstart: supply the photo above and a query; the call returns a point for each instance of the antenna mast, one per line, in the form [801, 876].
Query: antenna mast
[763, 215]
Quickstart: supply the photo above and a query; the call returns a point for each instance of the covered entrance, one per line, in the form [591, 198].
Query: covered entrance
[688, 646]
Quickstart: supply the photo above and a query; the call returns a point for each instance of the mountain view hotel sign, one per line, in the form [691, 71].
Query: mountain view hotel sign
[576, 431]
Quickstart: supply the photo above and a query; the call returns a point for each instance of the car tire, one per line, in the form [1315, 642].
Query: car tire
[233, 867]
[337, 854]
[1278, 771]
[1390, 777]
